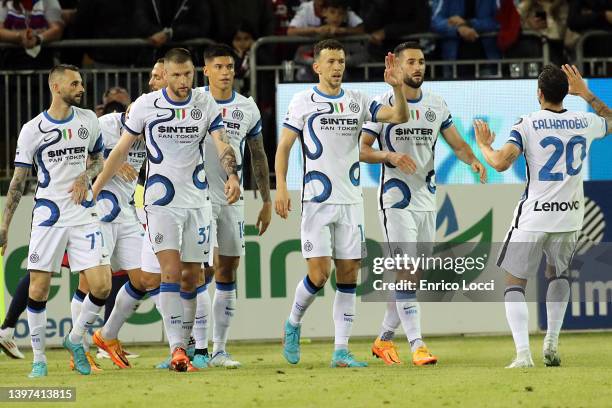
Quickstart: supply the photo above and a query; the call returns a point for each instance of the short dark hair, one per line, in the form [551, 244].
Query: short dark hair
[327, 45]
[60, 69]
[339, 4]
[407, 45]
[160, 61]
[217, 50]
[113, 106]
[552, 81]
[178, 56]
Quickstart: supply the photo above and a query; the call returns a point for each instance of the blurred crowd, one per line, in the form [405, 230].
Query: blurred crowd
[460, 23]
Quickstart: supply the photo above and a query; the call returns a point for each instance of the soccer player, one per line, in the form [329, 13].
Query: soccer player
[65, 145]
[123, 233]
[549, 216]
[328, 120]
[243, 125]
[407, 191]
[176, 121]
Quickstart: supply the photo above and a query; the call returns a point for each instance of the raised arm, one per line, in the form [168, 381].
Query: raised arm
[261, 172]
[464, 152]
[227, 158]
[15, 191]
[500, 160]
[578, 87]
[398, 113]
[282, 202]
[368, 154]
[114, 161]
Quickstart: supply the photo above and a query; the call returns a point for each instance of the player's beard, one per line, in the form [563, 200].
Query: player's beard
[415, 84]
[72, 100]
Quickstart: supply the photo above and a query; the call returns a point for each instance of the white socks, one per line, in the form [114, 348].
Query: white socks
[390, 323]
[409, 312]
[172, 312]
[75, 310]
[37, 322]
[305, 294]
[517, 315]
[202, 318]
[344, 314]
[89, 312]
[557, 297]
[224, 305]
[188, 299]
[126, 302]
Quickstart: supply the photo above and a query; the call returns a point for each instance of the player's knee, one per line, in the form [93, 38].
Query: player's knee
[38, 291]
[150, 281]
[319, 279]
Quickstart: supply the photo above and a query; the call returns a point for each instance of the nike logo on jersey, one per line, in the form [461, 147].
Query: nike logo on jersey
[174, 317]
[46, 139]
[557, 206]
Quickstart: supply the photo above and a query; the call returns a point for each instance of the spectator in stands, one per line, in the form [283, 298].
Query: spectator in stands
[336, 18]
[321, 17]
[114, 94]
[106, 19]
[388, 21]
[243, 40]
[29, 24]
[549, 18]
[230, 14]
[461, 22]
[284, 11]
[163, 20]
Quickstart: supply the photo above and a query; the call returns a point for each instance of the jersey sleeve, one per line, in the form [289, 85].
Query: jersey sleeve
[135, 121]
[597, 126]
[294, 119]
[255, 125]
[300, 19]
[213, 115]
[26, 147]
[96, 143]
[372, 107]
[517, 133]
[353, 19]
[447, 118]
[109, 133]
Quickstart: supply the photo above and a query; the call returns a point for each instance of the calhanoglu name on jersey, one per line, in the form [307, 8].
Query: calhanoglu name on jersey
[438, 286]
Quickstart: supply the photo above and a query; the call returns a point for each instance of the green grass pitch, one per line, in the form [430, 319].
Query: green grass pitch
[470, 374]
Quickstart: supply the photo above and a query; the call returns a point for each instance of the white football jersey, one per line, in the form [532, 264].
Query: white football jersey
[417, 138]
[242, 120]
[555, 145]
[59, 150]
[116, 200]
[174, 135]
[329, 129]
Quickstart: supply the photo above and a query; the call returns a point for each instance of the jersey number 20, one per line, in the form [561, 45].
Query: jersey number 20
[546, 173]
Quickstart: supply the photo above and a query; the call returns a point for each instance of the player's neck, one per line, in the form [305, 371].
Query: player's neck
[328, 89]
[411, 93]
[221, 94]
[59, 110]
[555, 107]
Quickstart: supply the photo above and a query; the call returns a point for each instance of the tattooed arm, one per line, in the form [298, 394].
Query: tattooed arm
[578, 87]
[227, 158]
[15, 191]
[79, 189]
[261, 172]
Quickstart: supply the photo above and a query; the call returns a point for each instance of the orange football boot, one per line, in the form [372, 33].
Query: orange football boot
[113, 348]
[386, 351]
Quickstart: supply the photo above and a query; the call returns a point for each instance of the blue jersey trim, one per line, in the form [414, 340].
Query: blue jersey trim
[373, 133]
[99, 146]
[374, 111]
[171, 102]
[516, 138]
[292, 128]
[226, 101]
[255, 130]
[61, 121]
[126, 127]
[417, 100]
[323, 94]
[514, 142]
[446, 124]
[21, 164]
